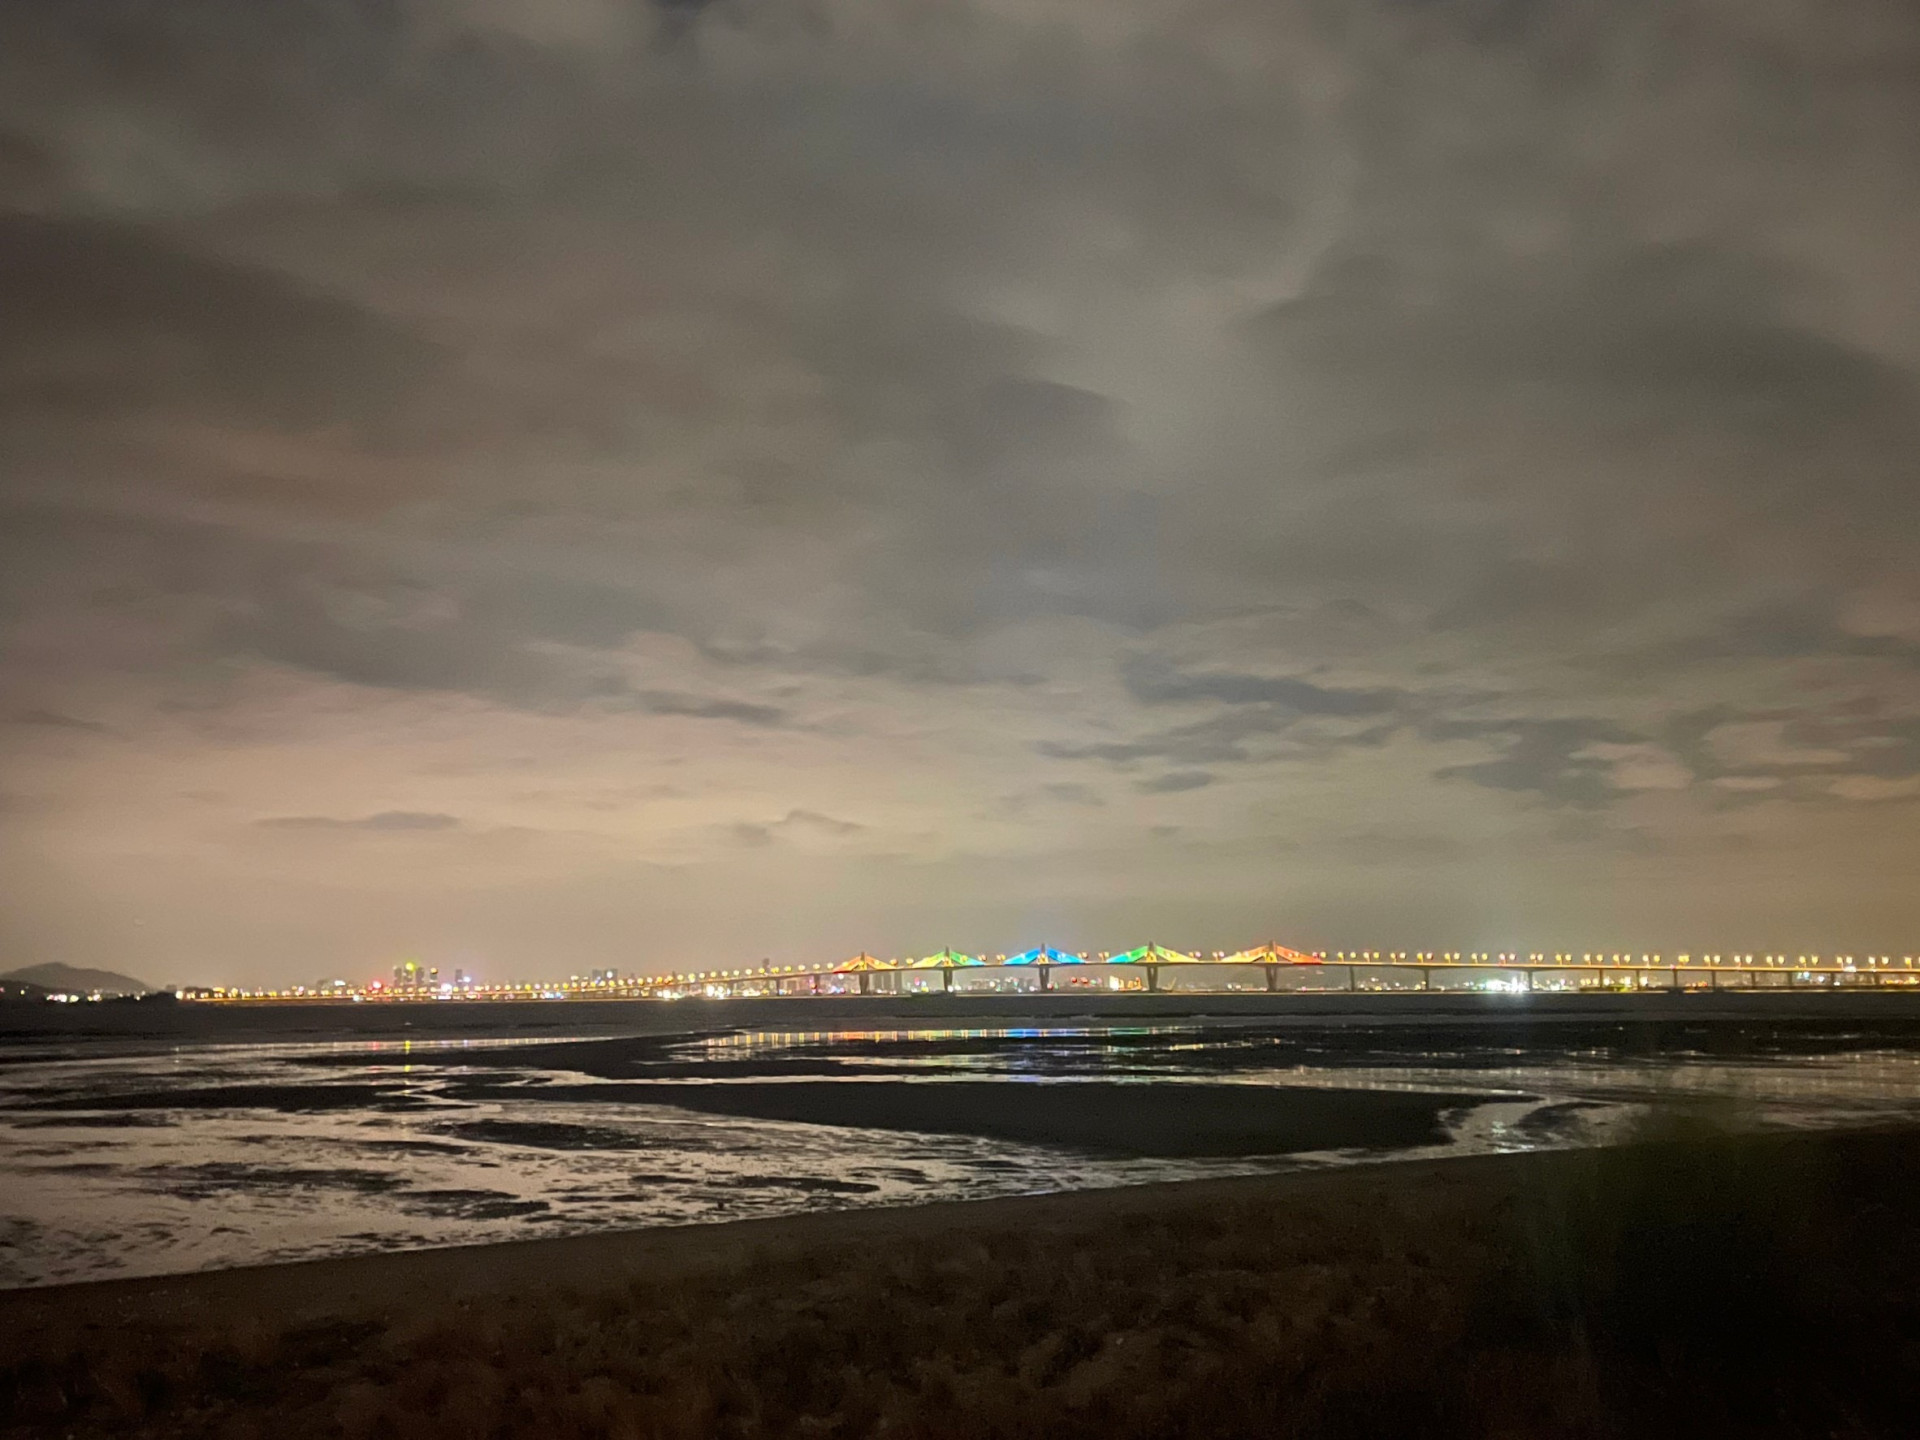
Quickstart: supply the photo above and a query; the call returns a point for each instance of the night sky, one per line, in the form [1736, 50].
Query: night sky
[539, 484]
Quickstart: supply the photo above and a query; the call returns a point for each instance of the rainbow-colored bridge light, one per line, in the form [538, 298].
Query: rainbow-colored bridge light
[1045, 955]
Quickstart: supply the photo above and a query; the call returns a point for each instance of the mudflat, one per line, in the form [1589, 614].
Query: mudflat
[1176, 1121]
[1699, 1285]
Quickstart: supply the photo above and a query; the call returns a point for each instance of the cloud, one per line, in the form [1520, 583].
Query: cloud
[1490, 416]
[667, 702]
[1157, 684]
[110, 319]
[1071, 792]
[826, 824]
[1564, 762]
[1234, 736]
[1641, 766]
[386, 822]
[1874, 787]
[55, 720]
[1175, 781]
[1765, 745]
[804, 827]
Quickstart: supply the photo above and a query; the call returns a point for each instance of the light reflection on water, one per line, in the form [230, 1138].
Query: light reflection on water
[158, 1187]
[1870, 1081]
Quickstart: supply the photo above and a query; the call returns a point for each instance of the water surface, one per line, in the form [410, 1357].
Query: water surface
[130, 1161]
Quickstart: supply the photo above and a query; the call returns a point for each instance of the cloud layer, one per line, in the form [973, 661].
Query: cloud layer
[601, 482]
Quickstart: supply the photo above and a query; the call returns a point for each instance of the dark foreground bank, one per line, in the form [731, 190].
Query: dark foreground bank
[1761, 1286]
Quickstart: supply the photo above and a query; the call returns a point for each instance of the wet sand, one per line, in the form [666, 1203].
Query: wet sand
[1762, 1286]
[1168, 1120]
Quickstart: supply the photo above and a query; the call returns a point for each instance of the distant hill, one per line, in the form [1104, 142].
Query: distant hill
[76, 981]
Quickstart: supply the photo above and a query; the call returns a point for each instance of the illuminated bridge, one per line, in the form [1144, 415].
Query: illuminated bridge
[1159, 968]
[1276, 968]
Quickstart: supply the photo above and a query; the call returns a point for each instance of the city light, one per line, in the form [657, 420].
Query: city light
[1140, 968]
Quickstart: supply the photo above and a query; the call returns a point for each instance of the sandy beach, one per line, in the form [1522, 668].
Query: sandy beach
[1759, 1286]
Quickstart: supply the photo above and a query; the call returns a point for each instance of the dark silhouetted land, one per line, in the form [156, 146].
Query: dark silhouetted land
[75, 980]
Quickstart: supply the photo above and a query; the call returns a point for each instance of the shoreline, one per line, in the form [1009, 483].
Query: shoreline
[1402, 1297]
[339, 1286]
[192, 1161]
[607, 1259]
[266, 1022]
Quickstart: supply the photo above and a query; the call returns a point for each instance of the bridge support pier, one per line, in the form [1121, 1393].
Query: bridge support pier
[1153, 977]
[866, 983]
[1426, 979]
[1353, 978]
[1273, 977]
[1046, 980]
[946, 981]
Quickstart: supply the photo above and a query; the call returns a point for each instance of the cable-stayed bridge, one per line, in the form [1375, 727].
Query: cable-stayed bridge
[1156, 967]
